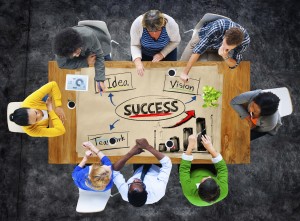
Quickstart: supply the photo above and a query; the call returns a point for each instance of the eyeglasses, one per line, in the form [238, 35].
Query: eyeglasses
[138, 183]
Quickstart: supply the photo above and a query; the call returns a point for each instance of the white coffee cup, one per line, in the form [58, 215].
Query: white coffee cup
[172, 72]
[71, 104]
[169, 144]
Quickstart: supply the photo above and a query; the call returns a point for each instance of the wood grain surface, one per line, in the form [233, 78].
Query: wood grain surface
[235, 135]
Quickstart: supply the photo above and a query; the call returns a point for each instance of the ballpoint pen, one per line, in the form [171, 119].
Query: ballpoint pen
[200, 132]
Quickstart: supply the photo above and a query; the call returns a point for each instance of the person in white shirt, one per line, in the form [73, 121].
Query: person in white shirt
[148, 183]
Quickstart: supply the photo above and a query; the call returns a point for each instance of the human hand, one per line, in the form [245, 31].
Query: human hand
[101, 86]
[91, 59]
[139, 66]
[157, 57]
[89, 146]
[184, 77]
[223, 52]
[49, 104]
[135, 150]
[88, 154]
[192, 142]
[206, 141]
[142, 143]
[60, 113]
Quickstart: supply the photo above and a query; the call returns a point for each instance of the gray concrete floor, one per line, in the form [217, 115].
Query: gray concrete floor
[31, 189]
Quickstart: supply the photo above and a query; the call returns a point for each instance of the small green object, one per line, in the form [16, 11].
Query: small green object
[210, 96]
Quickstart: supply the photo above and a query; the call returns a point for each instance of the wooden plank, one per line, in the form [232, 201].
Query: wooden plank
[61, 149]
[149, 64]
[137, 159]
[235, 132]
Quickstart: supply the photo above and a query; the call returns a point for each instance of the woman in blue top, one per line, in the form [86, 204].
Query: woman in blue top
[154, 37]
[96, 177]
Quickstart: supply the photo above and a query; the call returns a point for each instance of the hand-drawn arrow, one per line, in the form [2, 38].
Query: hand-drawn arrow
[110, 96]
[190, 114]
[112, 126]
[193, 99]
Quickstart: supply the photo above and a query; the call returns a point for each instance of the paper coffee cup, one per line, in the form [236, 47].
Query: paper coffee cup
[169, 144]
[171, 72]
[71, 104]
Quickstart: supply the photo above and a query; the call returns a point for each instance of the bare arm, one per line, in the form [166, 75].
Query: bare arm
[191, 145]
[194, 58]
[230, 62]
[206, 141]
[88, 153]
[89, 146]
[143, 143]
[120, 163]
[155, 153]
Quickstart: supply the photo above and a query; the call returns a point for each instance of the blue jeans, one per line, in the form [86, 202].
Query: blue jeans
[254, 134]
[172, 56]
[107, 57]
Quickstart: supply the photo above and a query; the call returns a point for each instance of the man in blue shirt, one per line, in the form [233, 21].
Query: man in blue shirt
[222, 35]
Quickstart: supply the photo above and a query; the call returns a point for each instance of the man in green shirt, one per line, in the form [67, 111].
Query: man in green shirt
[201, 187]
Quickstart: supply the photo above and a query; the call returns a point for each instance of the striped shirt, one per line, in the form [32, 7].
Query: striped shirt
[211, 36]
[150, 47]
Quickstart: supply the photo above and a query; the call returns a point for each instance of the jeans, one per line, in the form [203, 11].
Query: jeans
[172, 56]
[107, 57]
[254, 134]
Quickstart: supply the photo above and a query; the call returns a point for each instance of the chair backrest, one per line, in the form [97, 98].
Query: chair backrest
[92, 202]
[12, 126]
[208, 17]
[105, 39]
[285, 105]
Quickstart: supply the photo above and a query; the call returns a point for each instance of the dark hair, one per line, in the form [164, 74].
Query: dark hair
[67, 42]
[268, 103]
[153, 20]
[209, 190]
[137, 198]
[234, 36]
[20, 117]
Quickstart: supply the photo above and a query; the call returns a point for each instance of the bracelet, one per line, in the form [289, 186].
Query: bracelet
[226, 58]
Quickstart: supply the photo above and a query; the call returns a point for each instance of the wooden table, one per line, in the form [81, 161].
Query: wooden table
[235, 135]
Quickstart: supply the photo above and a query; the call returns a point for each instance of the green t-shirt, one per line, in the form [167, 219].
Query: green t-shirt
[189, 180]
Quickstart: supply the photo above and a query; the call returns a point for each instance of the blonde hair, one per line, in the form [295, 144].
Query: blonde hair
[99, 177]
[153, 20]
